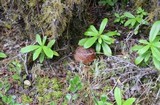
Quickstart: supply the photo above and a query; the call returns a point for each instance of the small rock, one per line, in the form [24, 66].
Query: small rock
[27, 82]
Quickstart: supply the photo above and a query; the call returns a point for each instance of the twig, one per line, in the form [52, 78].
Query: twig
[24, 63]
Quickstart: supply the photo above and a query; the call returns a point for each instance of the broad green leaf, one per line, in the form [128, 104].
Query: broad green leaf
[139, 59]
[103, 25]
[143, 41]
[128, 22]
[75, 84]
[82, 41]
[118, 96]
[133, 22]
[143, 49]
[100, 40]
[104, 37]
[90, 33]
[109, 42]
[75, 80]
[129, 15]
[16, 77]
[103, 98]
[107, 39]
[154, 31]
[38, 39]
[129, 101]
[156, 44]
[44, 40]
[112, 33]
[98, 47]
[140, 11]
[55, 53]
[1, 95]
[79, 86]
[36, 53]
[157, 39]
[51, 43]
[41, 58]
[106, 49]
[3, 55]
[156, 53]
[156, 63]
[29, 48]
[4, 99]
[147, 56]
[48, 52]
[137, 47]
[139, 19]
[100, 103]
[90, 42]
[92, 28]
[116, 20]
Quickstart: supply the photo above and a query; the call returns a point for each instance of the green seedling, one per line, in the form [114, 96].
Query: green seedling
[15, 67]
[41, 50]
[119, 100]
[100, 39]
[132, 21]
[75, 85]
[9, 100]
[102, 101]
[119, 18]
[141, 12]
[149, 49]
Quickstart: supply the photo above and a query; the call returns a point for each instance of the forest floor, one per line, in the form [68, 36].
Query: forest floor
[24, 82]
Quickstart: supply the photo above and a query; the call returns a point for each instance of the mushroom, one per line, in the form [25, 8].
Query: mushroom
[83, 55]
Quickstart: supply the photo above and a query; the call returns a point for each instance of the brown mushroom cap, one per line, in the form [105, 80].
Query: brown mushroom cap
[83, 55]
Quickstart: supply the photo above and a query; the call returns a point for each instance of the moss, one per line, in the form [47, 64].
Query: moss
[26, 99]
[48, 16]
[48, 89]
[57, 94]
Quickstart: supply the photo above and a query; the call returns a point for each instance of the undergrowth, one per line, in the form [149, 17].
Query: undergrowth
[112, 79]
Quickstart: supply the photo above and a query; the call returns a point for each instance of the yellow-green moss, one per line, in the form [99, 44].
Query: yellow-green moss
[48, 89]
